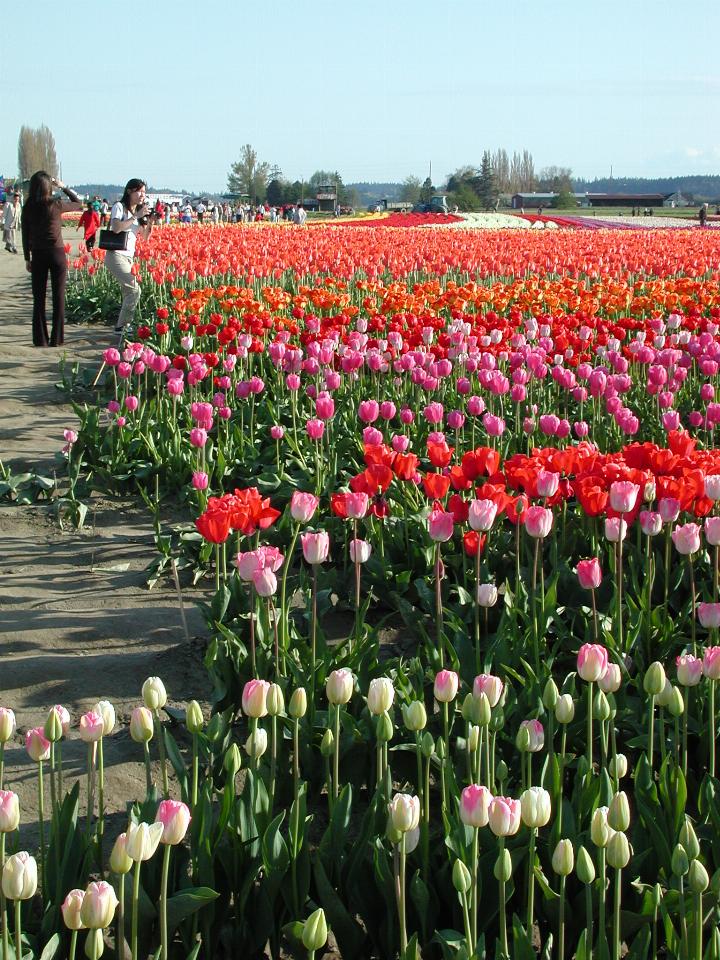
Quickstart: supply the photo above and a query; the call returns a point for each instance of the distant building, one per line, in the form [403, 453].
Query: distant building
[677, 200]
[530, 200]
[626, 199]
[326, 197]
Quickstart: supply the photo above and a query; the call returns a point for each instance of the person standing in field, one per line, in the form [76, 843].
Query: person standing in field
[90, 221]
[129, 215]
[11, 221]
[44, 250]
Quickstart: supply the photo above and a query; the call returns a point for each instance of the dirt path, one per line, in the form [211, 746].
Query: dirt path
[76, 622]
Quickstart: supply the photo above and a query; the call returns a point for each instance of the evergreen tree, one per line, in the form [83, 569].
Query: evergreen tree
[487, 189]
[426, 191]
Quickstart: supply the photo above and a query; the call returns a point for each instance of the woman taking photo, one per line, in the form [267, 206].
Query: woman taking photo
[44, 251]
[130, 215]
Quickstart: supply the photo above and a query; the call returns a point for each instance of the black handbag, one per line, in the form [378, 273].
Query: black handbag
[109, 240]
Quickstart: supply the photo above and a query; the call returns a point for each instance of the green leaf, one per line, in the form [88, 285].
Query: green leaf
[349, 934]
[522, 946]
[185, 903]
[51, 947]
[274, 849]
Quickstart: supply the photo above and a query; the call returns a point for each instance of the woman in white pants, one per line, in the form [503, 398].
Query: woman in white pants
[131, 214]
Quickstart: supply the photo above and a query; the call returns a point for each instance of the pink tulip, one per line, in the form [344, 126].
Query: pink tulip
[91, 727]
[504, 816]
[369, 411]
[315, 429]
[315, 546]
[689, 670]
[494, 426]
[434, 413]
[615, 529]
[669, 509]
[277, 432]
[440, 525]
[247, 564]
[63, 716]
[9, 811]
[446, 686]
[589, 573]
[200, 480]
[175, 818]
[686, 538]
[538, 522]
[490, 685]
[712, 531]
[547, 483]
[623, 495]
[711, 663]
[712, 487]
[360, 551]
[198, 437]
[324, 407]
[536, 735]
[265, 582]
[709, 615]
[592, 661]
[356, 505]
[70, 909]
[37, 746]
[303, 506]
[254, 698]
[611, 679]
[481, 514]
[98, 905]
[475, 806]
[650, 522]
[387, 410]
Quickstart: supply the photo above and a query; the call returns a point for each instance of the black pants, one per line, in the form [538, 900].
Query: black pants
[54, 262]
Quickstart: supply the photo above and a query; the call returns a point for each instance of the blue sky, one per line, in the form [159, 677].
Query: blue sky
[170, 91]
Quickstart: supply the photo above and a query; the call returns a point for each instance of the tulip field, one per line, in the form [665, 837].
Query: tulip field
[452, 502]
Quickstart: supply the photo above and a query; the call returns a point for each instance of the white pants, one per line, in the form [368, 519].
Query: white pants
[120, 266]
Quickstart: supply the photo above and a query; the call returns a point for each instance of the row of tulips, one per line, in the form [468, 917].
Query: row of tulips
[477, 807]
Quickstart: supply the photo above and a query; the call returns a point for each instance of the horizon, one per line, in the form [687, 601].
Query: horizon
[377, 92]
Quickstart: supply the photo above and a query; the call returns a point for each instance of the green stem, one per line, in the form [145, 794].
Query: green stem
[698, 926]
[561, 921]
[468, 925]
[336, 754]
[590, 728]
[501, 905]
[531, 882]
[41, 817]
[273, 759]
[474, 888]
[101, 805]
[163, 901]
[163, 758]
[401, 899]
[651, 730]
[589, 920]
[73, 945]
[616, 916]
[148, 777]
[120, 930]
[134, 925]
[195, 771]
[712, 728]
[18, 930]
[3, 904]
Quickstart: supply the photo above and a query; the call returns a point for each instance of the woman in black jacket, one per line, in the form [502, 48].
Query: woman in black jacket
[44, 251]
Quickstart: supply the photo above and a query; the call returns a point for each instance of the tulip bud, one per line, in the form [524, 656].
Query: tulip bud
[522, 739]
[676, 706]
[619, 811]
[563, 858]
[601, 707]
[107, 711]
[194, 720]
[501, 771]
[19, 877]
[503, 866]
[7, 724]
[654, 679]
[415, 716]
[71, 910]
[440, 749]
[232, 761]
[688, 838]
[679, 861]
[698, 879]
[550, 695]
[618, 766]
[298, 704]
[381, 695]
[275, 700]
[175, 818]
[473, 738]
[665, 695]
[94, 944]
[384, 728]
[154, 694]
[404, 812]
[565, 708]
[482, 714]
[141, 725]
[462, 881]
[314, 935]
[256, 743]
[585, 868]
[120, 862]
[53, 727]
[600, 830]
[9, 811]
[99, 905]
[618, 851]
[428, 745]
[467, 708]
[327, 744]
[535, 807]
[339, 686]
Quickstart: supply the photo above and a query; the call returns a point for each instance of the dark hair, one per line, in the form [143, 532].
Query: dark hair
[40, 190]
[131, 185]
